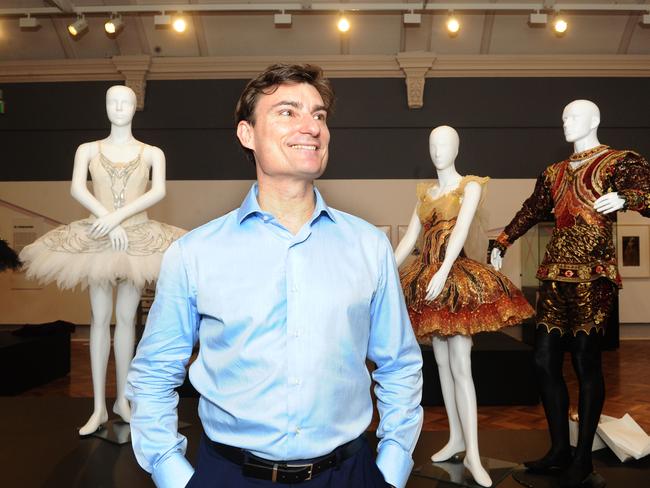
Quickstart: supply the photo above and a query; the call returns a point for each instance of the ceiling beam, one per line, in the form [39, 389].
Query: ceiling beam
[199, 31]
[64, 5]
[67, 44]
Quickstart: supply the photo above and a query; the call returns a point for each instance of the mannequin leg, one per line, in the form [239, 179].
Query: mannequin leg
[128, 298]
[460, 348]
[586, 358]
[101, 306]
[456, 442]
[555, 398]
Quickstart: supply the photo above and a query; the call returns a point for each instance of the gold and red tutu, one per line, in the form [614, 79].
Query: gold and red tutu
[475, 298]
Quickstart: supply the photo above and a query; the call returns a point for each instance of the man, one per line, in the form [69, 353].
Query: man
[287, 298]
[579, 277]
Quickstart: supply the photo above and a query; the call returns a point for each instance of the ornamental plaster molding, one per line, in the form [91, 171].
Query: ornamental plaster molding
[415, 66]
[135, 70]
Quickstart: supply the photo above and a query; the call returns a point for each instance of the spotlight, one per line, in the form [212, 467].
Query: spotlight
[78, 26]
[537, 19]
[114, 24]
[412, 19]
[560, 26]
[179, 24]
[453, 26]
[343, 24]
[282, 19]
[162, 20]
[28, 22]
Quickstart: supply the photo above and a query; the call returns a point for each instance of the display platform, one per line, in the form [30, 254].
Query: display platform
[21, 345]
[502, 368]
[453, 471]
[40, 448]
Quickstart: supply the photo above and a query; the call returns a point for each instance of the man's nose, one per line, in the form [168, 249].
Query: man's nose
[309, 124]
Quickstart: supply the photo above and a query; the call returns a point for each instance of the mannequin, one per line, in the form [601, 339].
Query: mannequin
[579, 277]
[449, 208]
[117, 247]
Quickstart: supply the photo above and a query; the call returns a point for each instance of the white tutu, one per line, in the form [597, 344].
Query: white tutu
[70, 257]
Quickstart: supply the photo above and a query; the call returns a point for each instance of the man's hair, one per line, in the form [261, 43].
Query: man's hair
[268, 81]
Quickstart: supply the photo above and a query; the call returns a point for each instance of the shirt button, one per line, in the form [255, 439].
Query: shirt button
[297, 430]
[294, 381]
[296, 333]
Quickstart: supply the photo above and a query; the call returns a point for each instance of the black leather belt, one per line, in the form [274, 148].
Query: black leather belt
[286, 471]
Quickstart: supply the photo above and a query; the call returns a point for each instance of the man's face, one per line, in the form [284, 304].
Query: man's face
[577, 122]
[290, 137]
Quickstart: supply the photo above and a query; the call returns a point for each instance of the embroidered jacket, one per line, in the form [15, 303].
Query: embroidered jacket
[581, 246]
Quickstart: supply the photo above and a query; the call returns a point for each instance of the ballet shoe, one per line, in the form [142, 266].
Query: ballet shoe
[550, 462]
[122, 408]
[480, 475]
[449, 451]
[94, 423]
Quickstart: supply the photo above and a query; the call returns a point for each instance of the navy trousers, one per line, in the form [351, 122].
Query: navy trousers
[214, 471]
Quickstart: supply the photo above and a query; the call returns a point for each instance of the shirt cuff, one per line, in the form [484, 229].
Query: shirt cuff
[395, 464]
[173, 472]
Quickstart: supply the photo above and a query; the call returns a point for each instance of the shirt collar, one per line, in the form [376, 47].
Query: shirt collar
[250, 206]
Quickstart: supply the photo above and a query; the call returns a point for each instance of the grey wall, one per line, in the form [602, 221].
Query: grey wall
[509, 127]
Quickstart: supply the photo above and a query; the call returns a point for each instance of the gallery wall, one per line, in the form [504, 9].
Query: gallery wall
[510, 130]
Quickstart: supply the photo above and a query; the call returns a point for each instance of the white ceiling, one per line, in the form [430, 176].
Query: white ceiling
[254, 34]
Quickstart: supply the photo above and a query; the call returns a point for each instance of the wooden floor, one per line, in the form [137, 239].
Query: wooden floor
[627, 379]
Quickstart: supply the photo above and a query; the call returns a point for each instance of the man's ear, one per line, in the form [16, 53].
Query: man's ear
[245, 134]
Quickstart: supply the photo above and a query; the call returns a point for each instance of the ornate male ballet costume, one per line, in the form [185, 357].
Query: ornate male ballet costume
[475, 297]
[69, 256]
[579, 280]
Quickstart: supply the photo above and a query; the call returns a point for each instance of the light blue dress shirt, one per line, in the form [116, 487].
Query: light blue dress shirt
[285, 323]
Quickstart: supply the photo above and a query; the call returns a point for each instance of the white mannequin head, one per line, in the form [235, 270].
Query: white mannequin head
[580, 120]
[443, 146]
[120, 105]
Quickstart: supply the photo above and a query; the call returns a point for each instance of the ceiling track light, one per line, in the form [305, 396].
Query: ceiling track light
[28, 22]
[343, 24]
[162, 20]
[560, 25]
[645, 20]
[78, 26]
[537, 20]
[453, 25]
[412, 19]
[282, 19]
[179, 24]
[114, 25]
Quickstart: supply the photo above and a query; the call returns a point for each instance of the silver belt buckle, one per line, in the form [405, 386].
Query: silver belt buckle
[310, 466]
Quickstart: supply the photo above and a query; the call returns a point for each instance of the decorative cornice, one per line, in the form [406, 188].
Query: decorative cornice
[135, 70]
[415, 66]
[335, 66]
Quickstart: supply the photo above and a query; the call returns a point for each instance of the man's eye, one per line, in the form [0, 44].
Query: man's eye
[286, 112]
[320, 116]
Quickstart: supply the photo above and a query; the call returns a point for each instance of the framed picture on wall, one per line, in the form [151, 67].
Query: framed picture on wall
[633, 251]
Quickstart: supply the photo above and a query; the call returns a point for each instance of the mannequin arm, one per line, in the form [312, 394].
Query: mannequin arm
[471, 199]
[407, 243]
[536, 208]
[106, 223]
[630, 185]
[79, 188]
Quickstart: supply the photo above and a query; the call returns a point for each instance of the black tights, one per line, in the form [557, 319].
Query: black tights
[585, 356]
